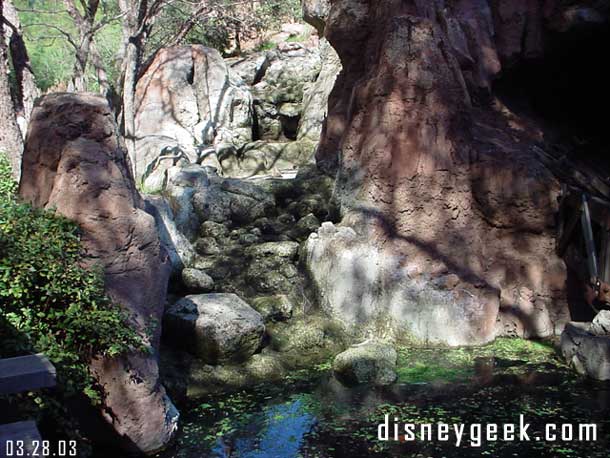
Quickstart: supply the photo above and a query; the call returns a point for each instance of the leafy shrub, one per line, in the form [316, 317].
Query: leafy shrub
[8, 186]
[49, 303]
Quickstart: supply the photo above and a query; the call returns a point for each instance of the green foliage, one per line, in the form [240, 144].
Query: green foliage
[424, 365]
[51, 54]
[8, 186]
[50, 304]
[218, 28]
[266, 46]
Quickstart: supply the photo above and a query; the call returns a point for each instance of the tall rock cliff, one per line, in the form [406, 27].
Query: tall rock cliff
[448, 212]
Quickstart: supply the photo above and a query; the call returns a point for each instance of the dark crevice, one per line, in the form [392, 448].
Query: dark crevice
[567, 89]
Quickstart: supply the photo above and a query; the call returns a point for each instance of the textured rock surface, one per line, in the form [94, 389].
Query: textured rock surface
[274, 308]
[315, 13]
[216, 327]
[268, 157]
[368, 288]
[74, 163]
[370, 362]
[587, 352]
[197, 280]
[187, 96]
[176, 244]
[440, 187]
[601, 324]
[315, 97]
[278, 96]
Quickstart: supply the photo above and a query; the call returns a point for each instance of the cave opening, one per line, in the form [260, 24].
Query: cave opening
[568, 90]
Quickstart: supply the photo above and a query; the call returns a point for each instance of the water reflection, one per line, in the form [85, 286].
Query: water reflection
[321, 418]
[278, 433]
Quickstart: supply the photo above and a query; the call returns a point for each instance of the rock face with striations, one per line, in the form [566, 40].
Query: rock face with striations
[188, 96]
[452, 207]
[74, 163]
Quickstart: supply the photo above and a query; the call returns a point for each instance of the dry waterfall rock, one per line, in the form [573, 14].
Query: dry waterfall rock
[74, 162]
[187, 96]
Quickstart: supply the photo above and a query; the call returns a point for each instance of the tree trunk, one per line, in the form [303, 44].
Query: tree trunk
[26, 90]
[131, 62]
[11, 141]
[84, 24]
[102, 77]
[137, 20]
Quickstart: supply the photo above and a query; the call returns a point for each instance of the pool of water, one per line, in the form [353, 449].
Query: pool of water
[313, 415]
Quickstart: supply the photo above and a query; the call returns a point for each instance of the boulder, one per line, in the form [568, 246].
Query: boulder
[601, 324]
[370, 362]
[315, 13]
[251, 68]
[588, 353]
[274, 308]
[363, 285]
[186, 97]
[182, 184]
[75, 164]
[215, 327]
[271, 267]
[231, 200]
[284, 81]
[207, 379]
[197, 280]
[268, 157]
[306, 340]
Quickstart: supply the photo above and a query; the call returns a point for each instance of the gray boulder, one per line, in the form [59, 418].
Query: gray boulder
[274, 308]
[271, 267]
[178, 247]
[293, 67]
[364, 285]
[182, 184]
[225, 200]
[315, 13]
[601, 324]
[370, 362]
[251, 68]
[588, 353]
[216, 327]
[197, 280]
[268, 157]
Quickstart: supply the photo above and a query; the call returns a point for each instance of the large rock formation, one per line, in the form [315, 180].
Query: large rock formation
[186, 99]
[239, 115]
[315, 98]
[452, 207]
[74, 163]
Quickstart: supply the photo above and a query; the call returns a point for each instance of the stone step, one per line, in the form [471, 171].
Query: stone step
[19, 439]
[26, 373]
